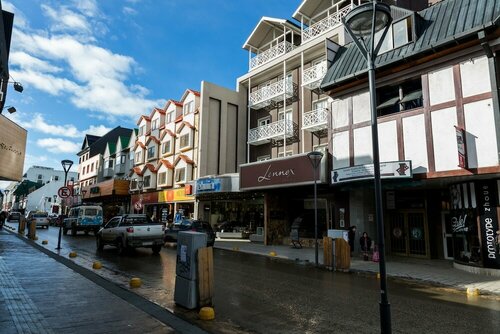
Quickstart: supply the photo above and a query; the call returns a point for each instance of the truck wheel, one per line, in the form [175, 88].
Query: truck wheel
[73, 230]
[99, 243]
[156, 249]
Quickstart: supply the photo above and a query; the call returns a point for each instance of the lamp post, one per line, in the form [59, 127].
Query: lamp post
[6, 206]
[66, 165]
[315, 159]
[361, 24]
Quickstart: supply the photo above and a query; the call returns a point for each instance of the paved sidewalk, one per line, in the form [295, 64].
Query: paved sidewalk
[41, 295]
[436, 272]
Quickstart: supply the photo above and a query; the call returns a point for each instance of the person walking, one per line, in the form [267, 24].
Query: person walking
[365, 243]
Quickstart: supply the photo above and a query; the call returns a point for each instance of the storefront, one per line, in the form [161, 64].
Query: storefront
[473, 223]
[112, 195]
[288, 196]
[226, 208]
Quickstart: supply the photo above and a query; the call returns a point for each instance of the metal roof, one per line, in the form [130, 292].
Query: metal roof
[311, 8]
[437, 26]
[262, 34]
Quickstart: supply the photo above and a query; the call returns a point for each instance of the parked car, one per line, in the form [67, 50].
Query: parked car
[131, 231]
[53, 219]
[190, 225]
[83, 218]
[14, 216]
[40, 218]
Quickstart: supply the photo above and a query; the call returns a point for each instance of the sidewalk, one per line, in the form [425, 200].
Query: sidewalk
[39, 294]
[435, 272]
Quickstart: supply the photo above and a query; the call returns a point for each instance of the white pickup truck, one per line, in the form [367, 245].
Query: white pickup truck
[131, 231]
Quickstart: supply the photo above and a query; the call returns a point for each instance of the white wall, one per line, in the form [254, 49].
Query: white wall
[445, 139]
[363, 146]
[340, 146]
[475, 77]
[480, 140]
[388, 141]
[340, 113]
[361, 108]
[441, 86]
[415, 143]
[35, 200]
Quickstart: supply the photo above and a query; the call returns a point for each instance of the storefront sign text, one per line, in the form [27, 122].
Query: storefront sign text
[488, 221]
[392, 169]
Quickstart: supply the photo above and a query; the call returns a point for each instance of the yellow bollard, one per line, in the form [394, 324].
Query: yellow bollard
[72, 254]
[378, 275]
[45, 242]
[236, 249]
[472, 292]
[97, 265]
[135, 282]
[207, 313]
[273, 253]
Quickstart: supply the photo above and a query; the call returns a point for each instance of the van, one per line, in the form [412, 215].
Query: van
[83, 218]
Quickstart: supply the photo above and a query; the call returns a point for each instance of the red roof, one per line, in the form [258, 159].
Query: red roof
[155, 110]
[164, 132]
[138, 143]
[185, 158]
[150, 167]
[152, 138]
[143, 117]
[177, 103]
[137, 170]
[165, 163]
[184, 123]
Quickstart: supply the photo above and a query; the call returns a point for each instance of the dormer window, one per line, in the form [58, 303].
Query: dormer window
[154, 124]
[189, 107]
[398, 35]
[151, 152]
[170, 116]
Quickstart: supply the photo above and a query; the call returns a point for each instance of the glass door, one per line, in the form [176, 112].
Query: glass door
[408, 233]
[446, 221]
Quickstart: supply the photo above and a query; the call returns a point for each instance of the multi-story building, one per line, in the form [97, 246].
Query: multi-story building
[43, 175]
[199, 135]
[439, 128]
[289, 116]
[103, 170]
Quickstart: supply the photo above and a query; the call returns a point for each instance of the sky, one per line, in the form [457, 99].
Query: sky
[88, 66]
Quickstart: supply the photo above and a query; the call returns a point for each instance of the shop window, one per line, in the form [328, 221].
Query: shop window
[162, 178]
[151, 152]
[184, 141]
[147, 181]
[396, 98]
[180, 174]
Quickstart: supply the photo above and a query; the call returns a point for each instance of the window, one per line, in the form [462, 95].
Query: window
[162, 178]
[180, 174]
[401, 97]
[264, 121]
[281, 115]
[138, 157]
[147, 181]
[320, 104]
[132, 155]
[72, 179]
[287, 154]
[122, 159]
[40, 176]
[399, 34]
[188, 107]
[170, 116]
[92, 167]
[184, 140]
[56, 178]
[151, 152]
[133, 184]
[108, 164]
[154, 125]
[165, 147]
[142, 130]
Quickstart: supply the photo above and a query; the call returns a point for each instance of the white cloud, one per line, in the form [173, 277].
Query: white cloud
[66, 20]
[87, 7]
[57, 145]
[99, 130]
[19, 18]
[28, 62]
[129, 11]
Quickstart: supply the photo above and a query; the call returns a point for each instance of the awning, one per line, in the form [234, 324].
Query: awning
[26, 187]
[412, 96]
[389, 103]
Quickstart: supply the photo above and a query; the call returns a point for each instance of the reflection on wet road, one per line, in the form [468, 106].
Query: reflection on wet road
[264, 295]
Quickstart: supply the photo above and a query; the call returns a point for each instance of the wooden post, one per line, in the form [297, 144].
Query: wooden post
[343, 254]
[205, 276]
[328, 252]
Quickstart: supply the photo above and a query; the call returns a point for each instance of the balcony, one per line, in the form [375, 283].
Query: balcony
[315, 120]
[273, 93]
[312, 76]
[270, 54]
[273, 131]
[108, 172]
[120, 169]
[326, 24]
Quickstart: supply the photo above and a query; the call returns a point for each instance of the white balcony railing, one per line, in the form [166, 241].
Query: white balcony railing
[270, 54]
[312, 76]
[325, 24]
[315, 120]
[276, 130]
[273, 92]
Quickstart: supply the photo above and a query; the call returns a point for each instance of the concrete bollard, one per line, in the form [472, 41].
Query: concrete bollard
[135, 282]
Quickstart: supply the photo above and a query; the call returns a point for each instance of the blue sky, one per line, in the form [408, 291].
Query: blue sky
[88, 66]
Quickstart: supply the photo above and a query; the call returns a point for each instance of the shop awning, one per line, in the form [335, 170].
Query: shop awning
[389, 103]
[412, 96]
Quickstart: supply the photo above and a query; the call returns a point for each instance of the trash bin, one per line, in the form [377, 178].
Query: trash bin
[294, 233]
[32, 230]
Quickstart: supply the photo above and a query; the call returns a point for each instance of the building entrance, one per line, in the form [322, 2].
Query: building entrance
[409, 235]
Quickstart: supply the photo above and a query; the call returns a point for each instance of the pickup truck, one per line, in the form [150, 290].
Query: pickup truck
[131, 231]
[83, 218]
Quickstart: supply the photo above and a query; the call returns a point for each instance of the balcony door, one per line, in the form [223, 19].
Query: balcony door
[320, 104]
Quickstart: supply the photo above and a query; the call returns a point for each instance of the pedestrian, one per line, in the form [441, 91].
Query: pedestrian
[365, 243]
[3, 216]
[178, 216]
[351, 235]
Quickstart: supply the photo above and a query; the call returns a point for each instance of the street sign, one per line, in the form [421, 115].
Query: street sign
[64, 192]
[393, 169]
[138, 206]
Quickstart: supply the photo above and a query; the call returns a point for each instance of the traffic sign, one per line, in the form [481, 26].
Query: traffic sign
[64, 192]
[138, 206]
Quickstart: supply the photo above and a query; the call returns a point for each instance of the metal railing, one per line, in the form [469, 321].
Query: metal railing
[264, 95]
[270, 54]
[275, 130]
[108, 172]
[312, 76]
[329, 22]
[315, 120]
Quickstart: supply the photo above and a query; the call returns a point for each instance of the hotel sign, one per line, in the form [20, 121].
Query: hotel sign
[393, 169]
[292, 171]
[12, 150]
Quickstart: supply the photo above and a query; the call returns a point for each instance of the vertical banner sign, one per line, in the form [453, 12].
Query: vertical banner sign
[488, 222]
[462, 149]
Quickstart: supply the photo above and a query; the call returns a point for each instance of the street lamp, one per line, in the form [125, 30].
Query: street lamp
[315, 159]
[362, 23]
[6, 191]
[66, 165]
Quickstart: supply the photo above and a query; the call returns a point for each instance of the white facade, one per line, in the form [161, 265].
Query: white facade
[44, 175]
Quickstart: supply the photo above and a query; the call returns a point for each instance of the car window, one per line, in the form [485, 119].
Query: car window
[137, 220]
[40, 215]
[91, 212]
[112, 223]
[186, 223]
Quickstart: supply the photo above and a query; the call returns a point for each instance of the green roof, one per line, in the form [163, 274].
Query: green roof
[440, 26]
[111, 148]
[124, 141]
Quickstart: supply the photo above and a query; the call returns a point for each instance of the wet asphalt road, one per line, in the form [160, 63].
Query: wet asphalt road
[262, 295]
